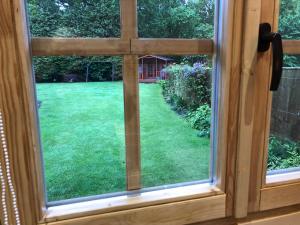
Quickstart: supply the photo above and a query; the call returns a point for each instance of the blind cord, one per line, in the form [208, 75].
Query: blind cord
[9, 180]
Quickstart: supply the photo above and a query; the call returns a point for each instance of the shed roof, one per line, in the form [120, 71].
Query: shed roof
[157, 57]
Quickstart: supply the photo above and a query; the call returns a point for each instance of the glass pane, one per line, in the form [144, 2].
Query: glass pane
[74, 18]
[284, 141]
[176, 18]
[289, 21]
[175, 114]
[82, 125]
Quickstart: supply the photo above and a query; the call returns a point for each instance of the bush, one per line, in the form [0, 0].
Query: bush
[188, 90]
[200, 119]
[283, 153]
[187, 87]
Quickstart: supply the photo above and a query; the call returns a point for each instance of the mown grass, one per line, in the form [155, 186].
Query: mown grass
[82, 129]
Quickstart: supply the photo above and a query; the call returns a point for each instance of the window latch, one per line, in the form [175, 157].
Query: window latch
[266, 37]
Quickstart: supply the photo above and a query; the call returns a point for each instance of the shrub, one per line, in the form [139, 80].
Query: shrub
[200, 119]
[187, 87]
[283, 153]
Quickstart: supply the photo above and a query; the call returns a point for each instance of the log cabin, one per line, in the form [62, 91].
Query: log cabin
[151, 66]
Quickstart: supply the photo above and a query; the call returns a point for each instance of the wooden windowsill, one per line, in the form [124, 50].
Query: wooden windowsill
[126, 202]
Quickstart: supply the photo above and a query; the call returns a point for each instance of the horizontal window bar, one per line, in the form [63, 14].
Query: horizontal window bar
[79, 46]
[291, 46]
[172, 46]
[115, 46]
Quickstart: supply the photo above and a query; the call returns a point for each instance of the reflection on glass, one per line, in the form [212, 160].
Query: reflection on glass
[74, 18]
[176, 18]
[284, 141]
[82, 125]
[175, 106]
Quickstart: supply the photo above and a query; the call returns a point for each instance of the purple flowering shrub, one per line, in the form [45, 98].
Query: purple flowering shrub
[187, 87]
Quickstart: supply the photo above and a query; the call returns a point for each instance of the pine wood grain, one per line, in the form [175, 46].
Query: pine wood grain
[291, 47]
[280, 196]
[246, 115]
[150, 46]
[126, 202]
[233, 113]
[184, 212]
[262, 95]
[132, 122]
[289, 219]
[17, 105]
[79, 46]
[131, 97]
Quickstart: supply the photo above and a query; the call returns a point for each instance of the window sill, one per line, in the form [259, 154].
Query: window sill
[280, 190]
[159, 200]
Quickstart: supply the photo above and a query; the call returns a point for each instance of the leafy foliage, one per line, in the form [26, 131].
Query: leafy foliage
[74, 18]
[187, 87]
[157, 18]
[283, 153]
[53, 69]
[94, 18]
[289, 27]
[188, 90]
[200, 119]
[176, 18]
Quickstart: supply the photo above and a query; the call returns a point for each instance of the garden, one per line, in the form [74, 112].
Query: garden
[82, 123]
[82, 127]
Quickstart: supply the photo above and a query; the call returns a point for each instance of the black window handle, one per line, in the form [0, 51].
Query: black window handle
[266, 37]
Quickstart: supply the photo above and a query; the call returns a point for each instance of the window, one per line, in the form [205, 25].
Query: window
[112, 78]
[275, 146]
[175, 114]
[91, 146]
[284, 141]
[94, 105]
[80, 106]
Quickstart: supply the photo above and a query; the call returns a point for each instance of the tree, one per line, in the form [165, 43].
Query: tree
[156, 19]
[289, 27]
[176, 18]
[94, 18]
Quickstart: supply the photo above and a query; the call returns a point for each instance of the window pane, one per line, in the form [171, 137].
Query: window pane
[284, 141]
[176, 18]
[82, 125]
[74, 18]
[289, 21]
[175, 114]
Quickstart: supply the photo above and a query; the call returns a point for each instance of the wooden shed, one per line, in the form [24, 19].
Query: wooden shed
[151, 66]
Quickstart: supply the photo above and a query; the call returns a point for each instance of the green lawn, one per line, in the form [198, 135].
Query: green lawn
[82, 126]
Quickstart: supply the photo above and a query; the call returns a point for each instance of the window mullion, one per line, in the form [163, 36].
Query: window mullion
[131, 96]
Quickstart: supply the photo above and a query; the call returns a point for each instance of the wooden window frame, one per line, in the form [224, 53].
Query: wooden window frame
[181, 205]
[278, 190]
[207, 201]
